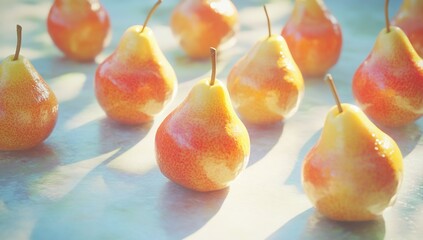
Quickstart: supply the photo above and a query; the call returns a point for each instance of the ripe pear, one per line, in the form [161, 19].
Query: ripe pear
[202, 144]
[201, 24]
[410, 19]
[314, 37]
[79, 28]
[266, 85]
[388, 85]
[28, 107]
[136, 81]
[354, 171]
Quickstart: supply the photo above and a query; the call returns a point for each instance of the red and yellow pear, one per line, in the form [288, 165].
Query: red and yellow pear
[313, 36]
[28, 107]
[201, 24]
[136, 81]
[202, 144]
[266, 85]
[354, 171]
[410, 19]
[79, 28]
[388, 85]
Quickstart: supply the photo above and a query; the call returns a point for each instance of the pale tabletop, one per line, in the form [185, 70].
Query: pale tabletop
[95, 179]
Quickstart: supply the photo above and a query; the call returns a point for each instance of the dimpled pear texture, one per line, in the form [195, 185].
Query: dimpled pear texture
[202, 144]
[201, 24]
[28, 107]
[79, 28]
[266, 85]
[388, 85]
[314, 37]
[354, 171]
[136, 81]
[410, 19]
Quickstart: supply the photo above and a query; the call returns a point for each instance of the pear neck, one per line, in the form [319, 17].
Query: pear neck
[309, 8]
[412, 6]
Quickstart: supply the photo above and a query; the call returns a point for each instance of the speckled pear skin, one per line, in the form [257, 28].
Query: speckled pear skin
[28, 107]
[79, 28]
[201, 24]
[410, 19]
[388, 85]
[202, 144]
[354, 171]
[136, 81]
[266, 85]
[314, 37]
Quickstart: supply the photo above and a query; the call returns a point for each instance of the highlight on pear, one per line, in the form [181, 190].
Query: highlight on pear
[388, 85]
[79, 28]
[136, 81]
[28, 107]
[266, 85]
[201, 24]
[202, 144]
[354, 171]
[314, 37]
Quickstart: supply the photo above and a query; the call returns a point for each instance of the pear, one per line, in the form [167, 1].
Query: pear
[202, 144]
[136, 81]
[79, 28]
[266, 85]
[410, 19]
[388, 85]
[201, 24]
[28, 107]
[314, 37]
[354, 171]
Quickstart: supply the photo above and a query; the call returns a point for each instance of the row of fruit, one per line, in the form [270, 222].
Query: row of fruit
[202, 144]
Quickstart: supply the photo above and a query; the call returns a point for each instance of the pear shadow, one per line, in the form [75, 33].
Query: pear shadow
[184, 211]
[310, 225]
[262, 140]
[406, 137]
[294, 178]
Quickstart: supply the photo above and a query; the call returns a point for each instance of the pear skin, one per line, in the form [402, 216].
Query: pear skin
[313, 36]
[354, 171]
[201, 24]
[266, 85]
[136, 81]
[410, 19]
[28, 107]
[388, 85]
[79, 28]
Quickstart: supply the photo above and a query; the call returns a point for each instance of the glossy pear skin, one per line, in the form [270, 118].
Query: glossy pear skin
[202, 144]
[28, 107]
[410, 19]
[266, 85]
[79, 28]
[314, 37]
[136, 81]
[388, 85]
[354, 171]
[201, 24]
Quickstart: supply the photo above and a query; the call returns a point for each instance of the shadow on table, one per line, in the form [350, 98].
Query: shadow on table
[311, 225]
[183, 211]
[262, 140]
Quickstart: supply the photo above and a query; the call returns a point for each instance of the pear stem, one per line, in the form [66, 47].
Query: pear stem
[334, 92]
[19, 42]
[387, 16]
[213, 61]
[269, 27]
[150, 14]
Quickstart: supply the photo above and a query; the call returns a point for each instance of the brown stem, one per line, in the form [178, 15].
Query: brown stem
[19, 42]
[269, 27]
[150, 14]
[334, 92]
[387, 16]
[213, 61]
